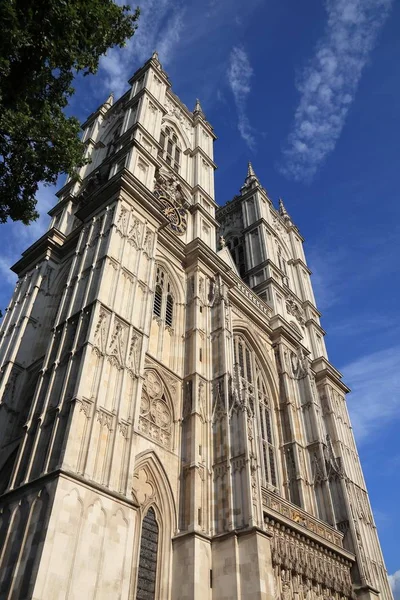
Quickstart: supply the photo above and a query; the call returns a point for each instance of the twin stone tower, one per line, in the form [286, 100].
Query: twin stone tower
[170, 425]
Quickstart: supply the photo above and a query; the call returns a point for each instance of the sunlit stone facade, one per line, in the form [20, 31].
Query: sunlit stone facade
[170, 425]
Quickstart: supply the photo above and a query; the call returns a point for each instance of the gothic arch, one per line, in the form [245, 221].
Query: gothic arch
[177, 283]
[269, 369]
[262, 392]
[167, 320]
[169, 121]
[151, 490]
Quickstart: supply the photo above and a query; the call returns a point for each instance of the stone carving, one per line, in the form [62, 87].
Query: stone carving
[122, 221]
[142, 488]
[100, 334]
[116, 347]
[134, 235]
[155, 418]
[105, 418]
[148, 243]
[294, 309]
[187, 399]
[218, 401]
[202, 295]
[202, 401]
[132, 361]
[333, 464]
[123, 429]
[167, 184]
[85, 406]
[299, 561]
[173, 110]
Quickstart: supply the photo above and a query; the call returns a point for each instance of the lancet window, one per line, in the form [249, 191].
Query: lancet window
[170, 148]
[147, 569]
[164, 306]
[254, 386]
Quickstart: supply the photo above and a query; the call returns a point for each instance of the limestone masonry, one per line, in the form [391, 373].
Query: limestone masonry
[170, 425]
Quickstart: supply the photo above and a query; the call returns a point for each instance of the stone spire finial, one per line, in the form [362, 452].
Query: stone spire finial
[282, 211]
[109, 102]
[251, 178]
[250, 170]
[155, 56]
[197, 109]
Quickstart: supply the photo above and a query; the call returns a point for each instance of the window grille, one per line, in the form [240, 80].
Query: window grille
[163, 306]
[157, 301]
[169, 310]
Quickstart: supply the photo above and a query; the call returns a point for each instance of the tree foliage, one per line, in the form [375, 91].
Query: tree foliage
[43, 44]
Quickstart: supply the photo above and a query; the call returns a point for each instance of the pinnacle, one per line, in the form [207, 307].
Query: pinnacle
[283, 212]
[110, 100]
[250, 170]
[155, 56]
[197, 109]
[282, 208]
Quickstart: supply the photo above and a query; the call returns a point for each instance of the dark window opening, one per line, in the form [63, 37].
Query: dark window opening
[157, 301]
[147, 569]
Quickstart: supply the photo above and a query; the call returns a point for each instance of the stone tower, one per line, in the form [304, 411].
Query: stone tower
[170, 425]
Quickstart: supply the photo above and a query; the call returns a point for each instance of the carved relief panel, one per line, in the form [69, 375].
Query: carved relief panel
[155, 419]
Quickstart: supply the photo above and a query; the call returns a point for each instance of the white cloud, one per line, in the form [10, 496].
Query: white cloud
[329, 83]
[375, 397]
[239, 75]
[394, 581]
[159, 28]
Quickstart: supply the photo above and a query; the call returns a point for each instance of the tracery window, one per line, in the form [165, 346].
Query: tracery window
[147, 568]
[253, 384]
[155, 419]
[170, 148]
[164, 306]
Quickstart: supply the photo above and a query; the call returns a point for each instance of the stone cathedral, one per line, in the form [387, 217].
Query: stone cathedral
[170, 425]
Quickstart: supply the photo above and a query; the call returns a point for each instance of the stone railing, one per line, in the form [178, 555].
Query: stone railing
[256, 300]
[298, 516]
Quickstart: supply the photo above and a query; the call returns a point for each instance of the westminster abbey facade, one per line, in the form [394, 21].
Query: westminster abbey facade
[170, 425]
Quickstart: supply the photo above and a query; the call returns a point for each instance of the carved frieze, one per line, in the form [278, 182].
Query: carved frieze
[302, 565]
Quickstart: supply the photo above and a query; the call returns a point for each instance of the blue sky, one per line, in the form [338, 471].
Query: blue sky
[308, 91]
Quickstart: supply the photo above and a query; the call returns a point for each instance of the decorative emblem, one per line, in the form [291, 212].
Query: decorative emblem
[168, 191]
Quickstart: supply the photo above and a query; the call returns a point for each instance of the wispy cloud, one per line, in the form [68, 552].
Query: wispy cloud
[375, 397]
[240, 73]
[394, 581]
[160, 26]
[329, 83]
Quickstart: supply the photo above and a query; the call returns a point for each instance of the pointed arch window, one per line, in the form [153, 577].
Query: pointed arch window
[254, 385]
[147, 568]
[164, 304]
[170, 148]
